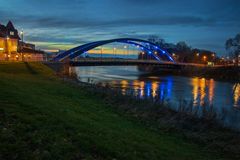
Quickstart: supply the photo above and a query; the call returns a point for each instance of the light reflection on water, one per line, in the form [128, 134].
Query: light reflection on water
[236, 95]
[222, 96]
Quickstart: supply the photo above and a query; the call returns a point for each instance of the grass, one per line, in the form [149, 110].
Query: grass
[42, 117]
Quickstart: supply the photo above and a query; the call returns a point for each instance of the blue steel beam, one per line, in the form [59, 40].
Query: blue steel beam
[99, 43]
[77, 51]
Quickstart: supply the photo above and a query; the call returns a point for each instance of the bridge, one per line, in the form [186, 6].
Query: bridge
[152, 50]
[158, 57]
[130, 62]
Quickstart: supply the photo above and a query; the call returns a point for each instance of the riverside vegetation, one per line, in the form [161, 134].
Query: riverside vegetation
[43, 117]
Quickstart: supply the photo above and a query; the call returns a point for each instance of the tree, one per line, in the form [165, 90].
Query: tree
[157, 40]
[233, 47]
[182, 46]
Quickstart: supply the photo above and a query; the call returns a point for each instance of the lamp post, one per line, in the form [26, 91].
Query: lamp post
[114, 52]
[126, 47]
[7, 50]
[142, 55]
[21, 47]
[101, 52]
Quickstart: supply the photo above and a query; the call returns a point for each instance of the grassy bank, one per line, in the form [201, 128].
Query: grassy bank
[43, 118]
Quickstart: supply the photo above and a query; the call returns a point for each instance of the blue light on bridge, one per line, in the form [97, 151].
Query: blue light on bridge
[81, 50]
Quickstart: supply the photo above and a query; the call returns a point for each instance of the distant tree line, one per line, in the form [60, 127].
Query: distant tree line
[233, 47]
[182, 52]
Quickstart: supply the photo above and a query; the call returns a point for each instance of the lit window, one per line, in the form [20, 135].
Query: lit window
[11, 33]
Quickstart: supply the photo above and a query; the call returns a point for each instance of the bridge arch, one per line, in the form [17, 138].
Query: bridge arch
[148, 46]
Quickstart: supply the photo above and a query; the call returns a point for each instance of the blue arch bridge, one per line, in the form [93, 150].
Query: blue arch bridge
[158, 56]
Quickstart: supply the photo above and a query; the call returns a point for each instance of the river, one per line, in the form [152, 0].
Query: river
[198, 93]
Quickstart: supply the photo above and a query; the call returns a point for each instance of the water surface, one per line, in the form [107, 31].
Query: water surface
[220, 97]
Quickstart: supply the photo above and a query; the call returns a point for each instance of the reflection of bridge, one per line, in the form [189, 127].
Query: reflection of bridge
[149, 48]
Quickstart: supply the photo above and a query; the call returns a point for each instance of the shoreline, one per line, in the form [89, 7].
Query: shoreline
[230, 74]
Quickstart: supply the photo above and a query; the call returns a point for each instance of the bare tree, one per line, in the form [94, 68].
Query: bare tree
[157, 40]
[233, 47]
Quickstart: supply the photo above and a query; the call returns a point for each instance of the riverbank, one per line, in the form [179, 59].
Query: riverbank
[43, 117]
[205, 131]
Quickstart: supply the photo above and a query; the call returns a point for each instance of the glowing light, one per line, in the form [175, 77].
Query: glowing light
[236, 95]
[204, 58]
[124, 85]
[199, 89]
[154, 89]
[211, 86]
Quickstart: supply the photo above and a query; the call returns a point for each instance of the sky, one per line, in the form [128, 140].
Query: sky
[63, 24]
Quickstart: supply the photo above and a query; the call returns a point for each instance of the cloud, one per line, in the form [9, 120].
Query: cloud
[65, 22]
[80, 21]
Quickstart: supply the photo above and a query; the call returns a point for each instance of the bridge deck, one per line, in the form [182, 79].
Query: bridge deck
[133, 62]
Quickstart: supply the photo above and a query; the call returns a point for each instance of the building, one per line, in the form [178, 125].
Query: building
[13, 49]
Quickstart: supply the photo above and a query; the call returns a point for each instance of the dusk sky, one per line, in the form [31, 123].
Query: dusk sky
[62, 24]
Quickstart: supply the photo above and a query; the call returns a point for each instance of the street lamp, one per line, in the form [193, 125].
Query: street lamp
[142, 55]
[101, 52]
[7, 49]
[114, 51]
[21, 47]
[21, 33]
[126, 47]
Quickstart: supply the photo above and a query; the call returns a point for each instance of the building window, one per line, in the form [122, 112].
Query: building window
[11, 33]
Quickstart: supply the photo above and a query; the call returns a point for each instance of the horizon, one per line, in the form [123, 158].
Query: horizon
[62, 25]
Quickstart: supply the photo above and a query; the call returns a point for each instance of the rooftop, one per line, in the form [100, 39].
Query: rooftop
[9, 31]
